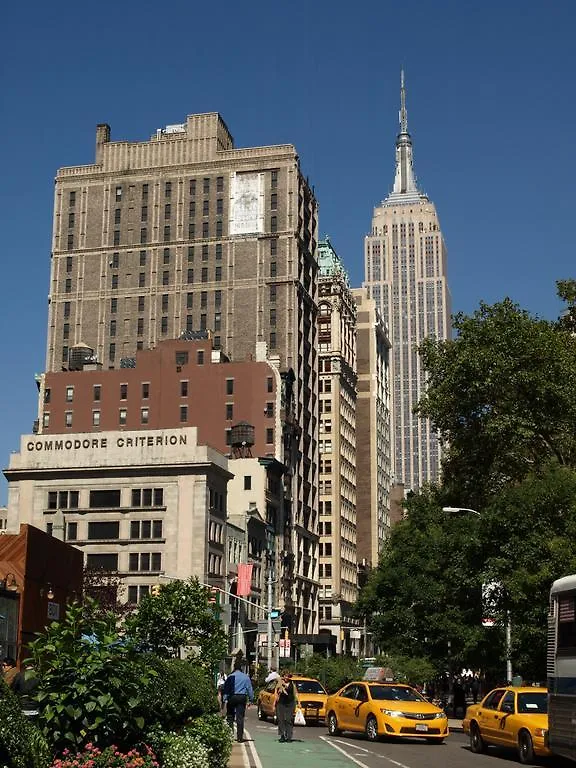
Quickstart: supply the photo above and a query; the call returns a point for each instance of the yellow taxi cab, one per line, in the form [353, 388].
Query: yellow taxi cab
[311, 699]
[392, 710]
[510, 717]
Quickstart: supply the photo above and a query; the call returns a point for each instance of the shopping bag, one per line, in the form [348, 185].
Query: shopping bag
[299, 718]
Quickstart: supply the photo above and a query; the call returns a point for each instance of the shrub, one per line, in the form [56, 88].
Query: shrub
[183, 750]
[177, 692]
[21, 743]
[214, 733]
[90, 684]
[111, 757]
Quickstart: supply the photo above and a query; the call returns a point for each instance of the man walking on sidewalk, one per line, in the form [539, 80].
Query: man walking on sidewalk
[237, 693]
[285, 706]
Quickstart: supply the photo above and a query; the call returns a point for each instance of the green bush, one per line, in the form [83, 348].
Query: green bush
[21, 743]
[90, 682]
[214, 733]
[333, 672]
[177, 692]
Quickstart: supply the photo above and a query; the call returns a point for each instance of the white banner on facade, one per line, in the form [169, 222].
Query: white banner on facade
[246, 204]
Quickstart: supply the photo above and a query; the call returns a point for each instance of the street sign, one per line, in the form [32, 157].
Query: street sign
[274, 614]
[285, 649]
[263, 626]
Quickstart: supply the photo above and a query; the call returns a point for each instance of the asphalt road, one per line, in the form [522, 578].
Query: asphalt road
[313, 747]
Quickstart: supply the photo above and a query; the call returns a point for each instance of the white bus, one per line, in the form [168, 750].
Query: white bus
[561, 665]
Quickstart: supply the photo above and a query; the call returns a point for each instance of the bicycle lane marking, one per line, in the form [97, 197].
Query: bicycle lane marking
[264, 751]
[367, 751]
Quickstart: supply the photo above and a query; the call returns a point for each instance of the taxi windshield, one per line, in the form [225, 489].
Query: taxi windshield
[535, 703]
[394, 693]
[308, 686]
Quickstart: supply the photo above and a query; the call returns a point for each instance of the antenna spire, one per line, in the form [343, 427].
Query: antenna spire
[403, 113]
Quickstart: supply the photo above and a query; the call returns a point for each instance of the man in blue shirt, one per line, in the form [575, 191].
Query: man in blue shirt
[237, 693]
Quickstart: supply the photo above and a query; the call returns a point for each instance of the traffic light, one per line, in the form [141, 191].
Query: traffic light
[214, 597]
[155, 590]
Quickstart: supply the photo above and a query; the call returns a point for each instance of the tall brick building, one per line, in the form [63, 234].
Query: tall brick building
[185, 232]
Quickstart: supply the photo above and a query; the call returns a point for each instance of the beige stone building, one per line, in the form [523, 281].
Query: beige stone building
[373, 457]
[143, 505]
[184, 232]
[337, 447]
[406, 275]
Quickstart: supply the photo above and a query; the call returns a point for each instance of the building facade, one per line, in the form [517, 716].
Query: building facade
[373, 432]
[143, 505]
[337, 447]
[405, 273]
[185, 232]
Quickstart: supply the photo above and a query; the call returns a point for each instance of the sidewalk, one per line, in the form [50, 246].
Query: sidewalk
[262, 750]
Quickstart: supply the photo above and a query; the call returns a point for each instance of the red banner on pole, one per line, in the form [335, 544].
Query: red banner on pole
[244, 579]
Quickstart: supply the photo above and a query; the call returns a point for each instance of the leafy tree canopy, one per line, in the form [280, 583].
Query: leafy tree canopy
[180, 621]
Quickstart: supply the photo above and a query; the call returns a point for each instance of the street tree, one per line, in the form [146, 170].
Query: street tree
[180, 621]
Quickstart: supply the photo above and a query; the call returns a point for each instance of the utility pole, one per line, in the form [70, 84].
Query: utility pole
[508, 649]
[270, 634]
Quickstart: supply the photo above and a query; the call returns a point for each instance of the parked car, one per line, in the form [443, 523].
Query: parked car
[390, 710]
[510, 717]
[311, 699]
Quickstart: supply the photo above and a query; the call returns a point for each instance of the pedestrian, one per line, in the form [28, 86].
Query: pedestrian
[9, 671]
[237, 693]
[475, 688]
[459, 698]
[272, 675]
[285, 700]
[220, 680]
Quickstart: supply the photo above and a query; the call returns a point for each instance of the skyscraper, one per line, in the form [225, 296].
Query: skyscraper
[405, 273]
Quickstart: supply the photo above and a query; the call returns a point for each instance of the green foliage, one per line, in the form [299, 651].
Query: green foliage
[177, 692]
[213, 732]
[503, 397]
[407, 669]
[180, 619]
[111, 757]
[21, 743]
[183, 750]
[90, 681]
[333, 672]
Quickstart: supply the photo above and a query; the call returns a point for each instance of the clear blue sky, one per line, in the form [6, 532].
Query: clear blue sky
[490, 105]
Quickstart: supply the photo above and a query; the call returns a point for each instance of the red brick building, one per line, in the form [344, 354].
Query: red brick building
[180, 383]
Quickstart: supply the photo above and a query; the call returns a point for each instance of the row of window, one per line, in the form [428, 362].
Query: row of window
[104, 499]
[141, 561]
[110, 530]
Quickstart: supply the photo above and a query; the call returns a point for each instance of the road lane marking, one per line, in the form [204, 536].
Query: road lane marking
[250, 747]
[367, 751]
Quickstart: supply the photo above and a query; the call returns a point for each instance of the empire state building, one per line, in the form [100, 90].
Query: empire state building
[405, 273]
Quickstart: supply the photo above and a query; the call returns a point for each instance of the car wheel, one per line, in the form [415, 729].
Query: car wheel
[333, 729]
[371, 729]
[525, 748]
[477, 744]
[260, 713]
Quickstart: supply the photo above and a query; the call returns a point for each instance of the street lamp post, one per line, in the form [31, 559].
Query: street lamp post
[508, 624]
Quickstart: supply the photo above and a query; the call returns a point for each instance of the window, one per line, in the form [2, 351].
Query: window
[139, 345]
[69, 394]
[72, 199]
[118, 194]
[68, 285]
[166, 256]
[46, 419]
[104, 530]
[219, 206]
[273, 179]
[229, 386]
[96, 392]
[229, 411]
[204, 278]
[192, 209]
[206, 186]
[144, 190]
[144, 415]
[166, 233]
[142, 258]
[247, 482]
[192, 186]
[273, 341]
[228, 436]
[269, 436]
[190, 276]
[205, 208]
[69, 263]
[220, 184]
[168, 189]
[164, 325]
[72, 531]
[189, 323]
[204, 299]
[200, 357]
[273, 202]
[64, 354]
[116, 237]
[114, 284]
[143, 235]
[117, 214]
[183, 389]
[147, 497]
[272, 317]
[274, 246]
[269, 410]
[104, 499]
[141, 303]
[67, 306]
[269, 384]
[190, 253]
[140, 326]
[217, 322]
[189, 300]
[273, 223]
[123, 391]
[272, 294]
[70, 242]
[167, 211]
[95, 418]
[112, 327]
[113, 306]
[191, 231]
[145, 391]
[66, 331]
[144, 213]
[112, 352]
[181, 358]
[204, 253]
[102, 562]
[205, 229]
[217, 299]
[273, 269]
[219, 252]
[122, 416]
[183, 414]
[164, 302]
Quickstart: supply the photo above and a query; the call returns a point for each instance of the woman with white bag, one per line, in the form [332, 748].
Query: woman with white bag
[286, 698]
